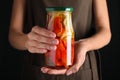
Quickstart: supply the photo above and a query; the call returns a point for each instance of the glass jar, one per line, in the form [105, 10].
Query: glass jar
[59, 20]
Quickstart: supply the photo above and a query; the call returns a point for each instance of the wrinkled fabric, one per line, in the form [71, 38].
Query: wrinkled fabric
[82, 19]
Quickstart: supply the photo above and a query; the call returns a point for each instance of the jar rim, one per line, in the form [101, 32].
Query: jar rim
[59, 8]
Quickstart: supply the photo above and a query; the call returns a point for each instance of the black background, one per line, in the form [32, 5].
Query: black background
[10, 59]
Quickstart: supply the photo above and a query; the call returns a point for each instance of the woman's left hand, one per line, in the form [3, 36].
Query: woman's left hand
[80, 54]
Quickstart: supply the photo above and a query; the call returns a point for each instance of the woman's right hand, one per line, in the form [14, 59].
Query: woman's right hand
[40, 40]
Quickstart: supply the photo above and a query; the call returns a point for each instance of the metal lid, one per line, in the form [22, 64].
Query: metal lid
[59, 9]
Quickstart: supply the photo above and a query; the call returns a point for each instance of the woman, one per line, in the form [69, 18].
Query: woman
[27, 33]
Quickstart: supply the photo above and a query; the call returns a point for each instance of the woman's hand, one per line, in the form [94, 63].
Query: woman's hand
[40, 40]
[80, 54]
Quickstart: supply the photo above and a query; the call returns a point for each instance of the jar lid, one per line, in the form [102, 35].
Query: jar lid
[59, 9]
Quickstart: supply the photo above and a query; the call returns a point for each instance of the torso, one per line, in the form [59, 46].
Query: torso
[81, 18]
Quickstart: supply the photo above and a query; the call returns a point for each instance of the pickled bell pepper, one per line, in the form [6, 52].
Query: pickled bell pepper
[61, 54]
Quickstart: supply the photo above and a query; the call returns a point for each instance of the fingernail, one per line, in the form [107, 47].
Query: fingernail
[42, 69]
[52, 47]
[44, 51]
[52, 35]
[55, 42]
[69, 73]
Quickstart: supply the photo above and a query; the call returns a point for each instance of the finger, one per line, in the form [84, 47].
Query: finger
[43, 32]
[40, 38]
[41, 45]
[57, 72]
[48, 40]
[44, 69]
[36, 50]
[53, 71]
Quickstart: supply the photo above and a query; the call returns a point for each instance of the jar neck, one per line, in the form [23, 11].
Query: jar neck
[61, 14]
[63, 17]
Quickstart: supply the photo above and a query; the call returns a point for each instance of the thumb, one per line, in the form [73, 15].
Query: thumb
[79, 62]
[72, 70]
